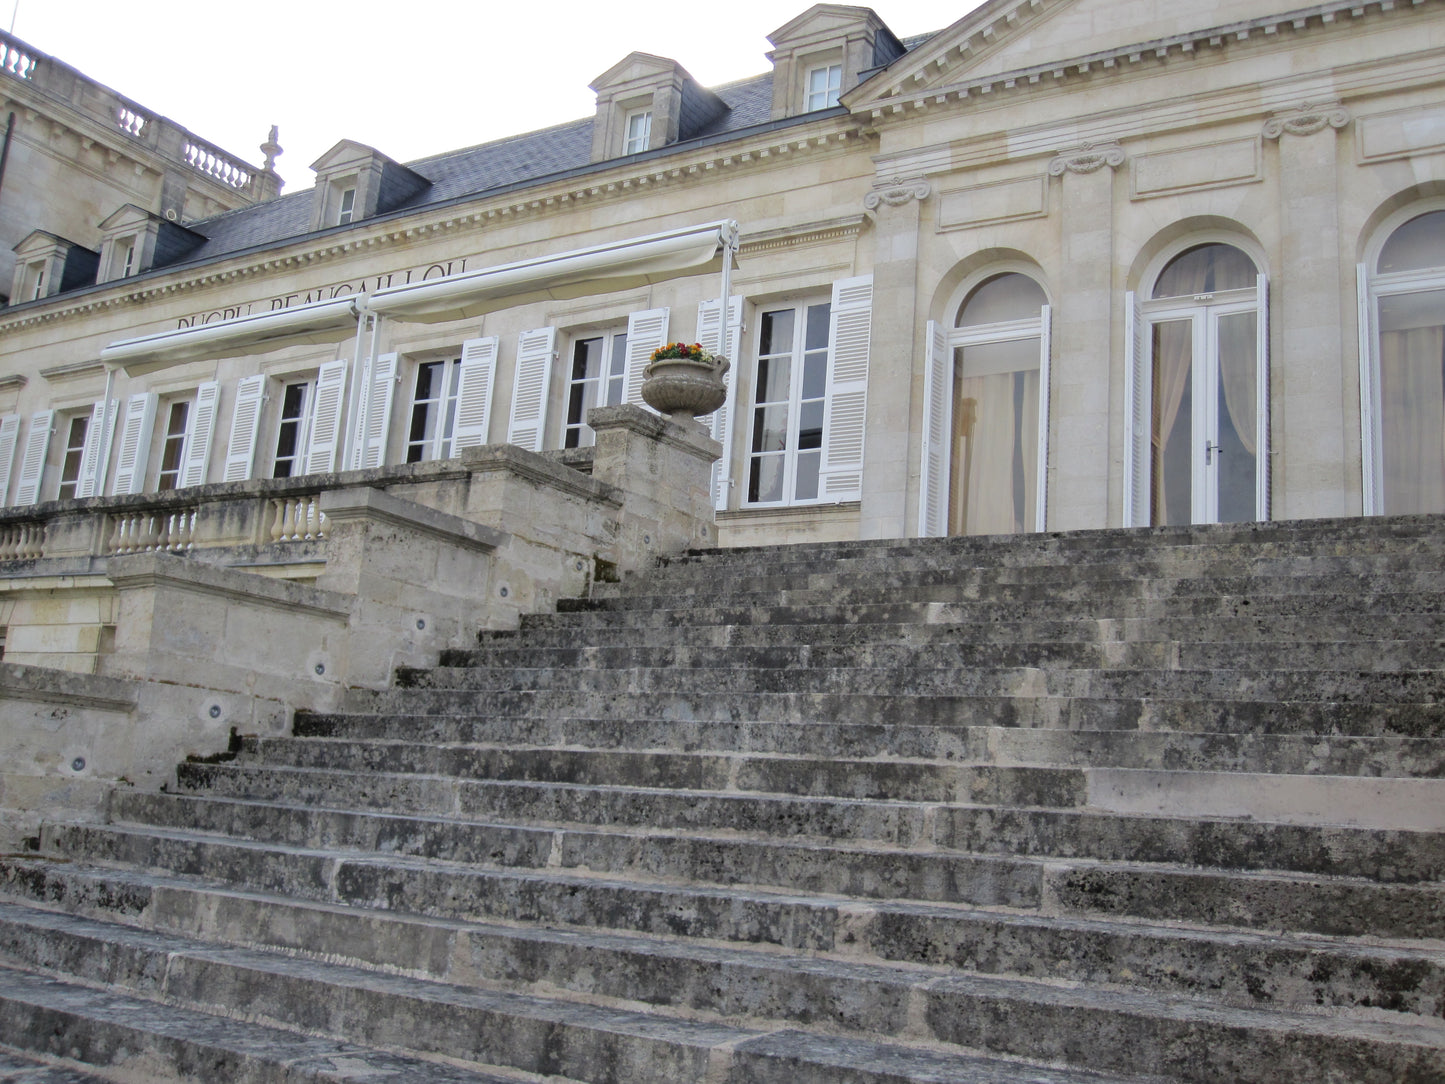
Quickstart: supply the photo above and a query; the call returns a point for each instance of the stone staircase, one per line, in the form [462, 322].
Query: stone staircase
[1107, 806]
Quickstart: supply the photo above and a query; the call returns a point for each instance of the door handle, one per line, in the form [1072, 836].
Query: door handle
[1210, 451]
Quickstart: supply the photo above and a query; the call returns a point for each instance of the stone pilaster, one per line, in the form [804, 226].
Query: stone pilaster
[895, 364]
[1087, 377]
[1310, 437]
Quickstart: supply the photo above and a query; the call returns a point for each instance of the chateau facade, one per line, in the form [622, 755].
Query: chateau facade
[1062, 264]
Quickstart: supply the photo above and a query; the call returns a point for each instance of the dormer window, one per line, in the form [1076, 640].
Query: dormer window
[125, 256]
[639, 131]
[346, 209]
[355, 182]
[32, 282]
[824, 85]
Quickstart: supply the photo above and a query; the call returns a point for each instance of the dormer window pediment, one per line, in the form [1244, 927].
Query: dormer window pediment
[354, 181]
[822, 53]
[645, 102]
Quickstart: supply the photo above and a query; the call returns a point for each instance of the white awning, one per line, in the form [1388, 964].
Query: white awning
[321, 322]
[622, 265]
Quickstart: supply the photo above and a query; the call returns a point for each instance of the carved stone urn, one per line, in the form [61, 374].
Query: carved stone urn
[685, 388]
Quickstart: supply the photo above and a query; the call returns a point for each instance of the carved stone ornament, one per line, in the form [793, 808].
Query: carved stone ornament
[897, 193]
[1307, 120]
[684, 388]
[1087, 159]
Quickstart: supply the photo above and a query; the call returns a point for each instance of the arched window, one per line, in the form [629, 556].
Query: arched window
[1402, 378]
[1198, 391]
[986, 403]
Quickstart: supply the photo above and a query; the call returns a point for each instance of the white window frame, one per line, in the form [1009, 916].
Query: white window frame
[164, 416]
[1141, 314]
[70, 449]
[435, 444]
[607, 388]
[635, 142]
[346, 206]
[1372, 287]
[296, 462]
[825, 96]
[797, 353]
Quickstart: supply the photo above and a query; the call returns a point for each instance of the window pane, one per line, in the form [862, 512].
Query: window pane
[765, 478]
[1015, 355]
[815, 375]
[995, 453]
[806, 488]
[1206, 269]
[810, 425]
[774, 378]
[1006, 297]
[770, 428]
[1173, 432]
[1237, 411]
[74, 451]
[816, 336]
[777, 332]
[1412, 402]
[1418, 244]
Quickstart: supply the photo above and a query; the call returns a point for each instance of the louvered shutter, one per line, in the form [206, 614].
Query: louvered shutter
[1045, 394]
[135, 443]
[32, 462]
[380, 394]
[325, 427]
[708, 334]
[646, 331]
[196, 454]
[849, 334]
[1136, 414]
[1370, 464]
[1262, 436]
[9, 439]
[528, 422]
[245, 428]
[478, 367]
[92, 470]
[933, 484]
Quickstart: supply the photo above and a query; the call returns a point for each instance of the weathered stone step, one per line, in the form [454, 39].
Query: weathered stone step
[18, 1069]
[1060, 1021]
[899, 779]
[1350, 907]
[1300, 754]
[1235, 969]
[142, 1039]
[1401, 534]
[1421, 720]
[1322, 848]
[1273, 685]
[1343, 628]
[905, 572]
[1203, 607]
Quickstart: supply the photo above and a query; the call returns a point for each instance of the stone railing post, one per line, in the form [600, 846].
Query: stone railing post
[664, 470]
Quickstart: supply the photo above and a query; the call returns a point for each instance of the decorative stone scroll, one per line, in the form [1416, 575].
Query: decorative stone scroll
[1087, 159]
[897, 193]
[1307, 120]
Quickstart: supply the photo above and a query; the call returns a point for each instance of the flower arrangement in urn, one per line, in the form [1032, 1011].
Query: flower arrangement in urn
[684, 380]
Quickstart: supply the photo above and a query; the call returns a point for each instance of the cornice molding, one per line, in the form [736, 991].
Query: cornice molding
[1087, 159]
[764, 151]
[911, 96]
[807, 233]
[897, 192]
[1307, 120]
[72, 370]
[13, 381]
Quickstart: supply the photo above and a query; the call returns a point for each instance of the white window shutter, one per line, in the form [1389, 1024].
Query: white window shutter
[380, 385]
[478, 367]
[1370, 457]
[325, 428]
[135, 443]
[92, 470]
[9, 439]
[196, 454]
[536, 350]
[937, 461]
[1045, 394]
[1262, 428]
[709, 335]
[646, 332]
[1137, 414]
[245, 428]
[849, 334]
[32, 462]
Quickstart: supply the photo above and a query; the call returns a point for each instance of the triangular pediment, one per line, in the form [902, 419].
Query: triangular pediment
[41, 242]
[637, 68]
[821, 21]
[128, 216]
[1006, 36]
[346, 153]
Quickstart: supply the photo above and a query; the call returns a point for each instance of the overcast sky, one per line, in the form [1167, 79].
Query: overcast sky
[409, 77]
